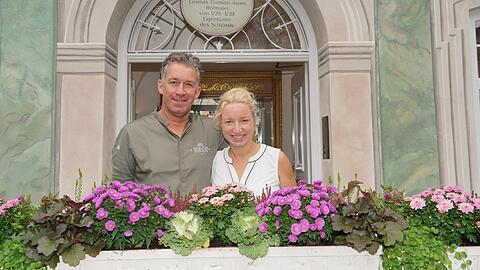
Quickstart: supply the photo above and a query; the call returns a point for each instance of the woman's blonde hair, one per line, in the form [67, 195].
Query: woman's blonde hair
[236, 95]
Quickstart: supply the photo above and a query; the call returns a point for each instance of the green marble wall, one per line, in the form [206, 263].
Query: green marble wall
[406, 96]
[27, 59]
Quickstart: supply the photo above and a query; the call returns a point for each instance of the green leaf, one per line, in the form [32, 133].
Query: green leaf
[74, 254]
[392, 233]
[95, 249]
[47, 246]
[359, 239]
[341, 223]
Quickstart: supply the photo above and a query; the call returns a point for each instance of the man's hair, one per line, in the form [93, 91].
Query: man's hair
[183, 58]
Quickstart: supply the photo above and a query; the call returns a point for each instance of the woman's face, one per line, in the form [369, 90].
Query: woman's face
[237, 124]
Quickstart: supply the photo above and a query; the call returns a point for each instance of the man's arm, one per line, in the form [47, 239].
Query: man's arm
[123, 161]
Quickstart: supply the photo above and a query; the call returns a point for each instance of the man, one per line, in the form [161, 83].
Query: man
[171, 146]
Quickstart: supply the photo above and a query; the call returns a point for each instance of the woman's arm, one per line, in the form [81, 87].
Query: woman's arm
[285, 173]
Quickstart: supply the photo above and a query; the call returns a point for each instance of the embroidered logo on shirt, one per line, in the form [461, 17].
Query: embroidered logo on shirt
[201, 149]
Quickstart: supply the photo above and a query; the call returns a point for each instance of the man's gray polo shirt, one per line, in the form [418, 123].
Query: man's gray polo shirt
[147, 151]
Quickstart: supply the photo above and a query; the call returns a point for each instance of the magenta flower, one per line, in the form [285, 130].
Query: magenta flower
[99, 203]
[89, 224]
[314, 203]
[128, 233]
[296, 229]
[89, 197]
[101, 214]
[320, 222]
[313, 227]
[263, 227]
[324, 209]
[293, 238]
[277, 224]
[159, 233]
[134, 217]
[143, 213]
[296, 204]
[277, 210]
[110, 225]
[315, 213]
[157, 200]
[304, 225]
[130, 205]
[167, 214]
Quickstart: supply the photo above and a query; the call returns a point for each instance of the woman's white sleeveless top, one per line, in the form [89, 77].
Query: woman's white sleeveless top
[261, 171]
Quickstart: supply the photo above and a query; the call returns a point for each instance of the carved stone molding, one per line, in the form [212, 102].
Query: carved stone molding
[456, 118]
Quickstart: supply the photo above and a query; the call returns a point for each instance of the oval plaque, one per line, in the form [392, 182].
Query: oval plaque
[217, 17]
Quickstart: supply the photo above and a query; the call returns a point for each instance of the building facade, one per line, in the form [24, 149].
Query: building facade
[383, 91]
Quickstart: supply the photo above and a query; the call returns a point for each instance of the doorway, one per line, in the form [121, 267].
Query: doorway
[267, 81]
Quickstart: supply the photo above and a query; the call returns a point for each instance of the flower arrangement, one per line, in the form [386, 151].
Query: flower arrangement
[60, 228]
[449, 208]
[129, 215]
[300, 215]
[15, 215]
[186, 232]
[216, 206]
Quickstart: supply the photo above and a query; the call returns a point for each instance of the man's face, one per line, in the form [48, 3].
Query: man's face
[178, 89]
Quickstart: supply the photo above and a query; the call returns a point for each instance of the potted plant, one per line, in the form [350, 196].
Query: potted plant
[440, 219]
[15, 215]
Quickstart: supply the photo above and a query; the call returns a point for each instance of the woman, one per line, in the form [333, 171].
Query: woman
[257, 166]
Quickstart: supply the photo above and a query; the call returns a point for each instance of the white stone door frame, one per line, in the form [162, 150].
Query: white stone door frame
[311, 73]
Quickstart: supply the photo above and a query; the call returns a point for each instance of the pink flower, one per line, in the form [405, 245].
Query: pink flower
[216, 201]
[203, 200]
[444, 206]
[159, 233]
[437, 198]
[193, 198]
[263, 227]
[476, 202]
[227, 197]
[478, 224]
[209, 191]
[417, 203]
[465, 208]
[89, 224]
[128, 233]
[277, 224]
[110, 225]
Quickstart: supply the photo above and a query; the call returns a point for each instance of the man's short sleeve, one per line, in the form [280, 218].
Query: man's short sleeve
[123, 161]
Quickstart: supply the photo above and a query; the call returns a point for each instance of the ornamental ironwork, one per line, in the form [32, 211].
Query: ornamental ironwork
[160, 26]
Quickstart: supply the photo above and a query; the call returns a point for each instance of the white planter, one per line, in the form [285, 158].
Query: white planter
[291, 258]
[473, 254]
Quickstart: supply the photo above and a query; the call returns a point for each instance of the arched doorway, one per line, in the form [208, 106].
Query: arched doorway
[274, 46]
